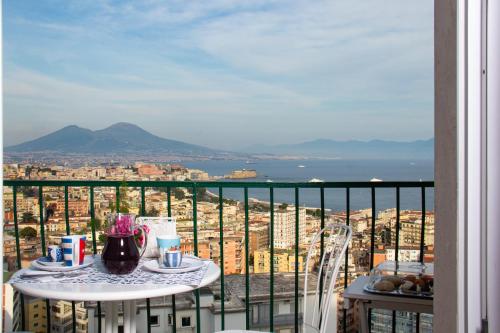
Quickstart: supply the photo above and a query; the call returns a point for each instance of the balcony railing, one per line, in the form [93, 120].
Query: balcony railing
[373, 187]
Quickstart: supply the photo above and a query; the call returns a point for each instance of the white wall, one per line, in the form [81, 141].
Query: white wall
[493, 165]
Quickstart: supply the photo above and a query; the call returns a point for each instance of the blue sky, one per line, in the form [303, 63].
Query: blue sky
[224, 74]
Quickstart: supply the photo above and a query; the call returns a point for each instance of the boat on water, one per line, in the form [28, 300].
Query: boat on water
[316, 180]
[269, 181]
[301, 166]
[376, 180]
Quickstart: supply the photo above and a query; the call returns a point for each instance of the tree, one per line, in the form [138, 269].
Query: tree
[27, 191]
[124, 205]
[102, 238]
[179, 194]
[283, 206]
[96, 223]
[27, 217]
[200, 192]
[153, 212]
[27, 232]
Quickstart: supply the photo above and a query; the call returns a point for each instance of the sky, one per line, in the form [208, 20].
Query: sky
[224, 74]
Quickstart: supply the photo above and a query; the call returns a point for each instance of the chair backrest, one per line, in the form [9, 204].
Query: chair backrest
[336, 240]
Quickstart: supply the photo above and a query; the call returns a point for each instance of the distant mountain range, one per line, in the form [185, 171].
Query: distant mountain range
[125, 138]
[352, 149]
[119, 138]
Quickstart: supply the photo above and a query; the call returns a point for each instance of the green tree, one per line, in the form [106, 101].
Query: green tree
[283, 206]
[179, 194]
[96, 223]
[27, 191]
[153, 212]
[124, 204]
[102, 238]
[27, 232]
[27, 217]
[200, 192]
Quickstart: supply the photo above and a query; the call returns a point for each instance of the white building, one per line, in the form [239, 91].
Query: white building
[61, 314]
[284, 228]
[405, 254]
[11, 309]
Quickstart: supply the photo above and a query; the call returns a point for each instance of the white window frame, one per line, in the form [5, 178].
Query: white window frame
[467, 168]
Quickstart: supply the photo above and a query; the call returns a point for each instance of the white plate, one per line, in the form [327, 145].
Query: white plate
[89, 260]
[188, 265]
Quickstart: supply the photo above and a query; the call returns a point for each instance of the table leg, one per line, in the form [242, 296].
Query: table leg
[133, 311]
[108, 308]
[115, 317]
[129, 317]
[126, 317]
[363, 317]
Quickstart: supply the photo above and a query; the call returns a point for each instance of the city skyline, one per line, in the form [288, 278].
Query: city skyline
[233, 73]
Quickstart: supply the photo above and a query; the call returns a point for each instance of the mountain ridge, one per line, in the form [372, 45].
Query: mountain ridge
[356, 149]
[117, 138]
[126, 138]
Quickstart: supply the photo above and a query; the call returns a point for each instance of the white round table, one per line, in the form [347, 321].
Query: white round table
[111, 295]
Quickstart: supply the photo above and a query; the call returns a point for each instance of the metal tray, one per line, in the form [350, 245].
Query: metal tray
[398, 293]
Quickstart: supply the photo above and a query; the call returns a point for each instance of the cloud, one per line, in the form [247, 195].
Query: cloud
[252, 66]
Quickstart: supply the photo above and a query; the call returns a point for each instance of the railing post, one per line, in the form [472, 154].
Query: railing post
[346, 256]
[42, 237]
[322, 237]
[195, 231]
[271, 256]
[148, 301]
[372, 245]
[422, 242]
[221, 245]
[92, 218]
[396, 248]
[117, 191]
[68, 231]
[94, 248]
[422, 230]
[247, 274]
[169, 212]
[18, 252]
[297, 222]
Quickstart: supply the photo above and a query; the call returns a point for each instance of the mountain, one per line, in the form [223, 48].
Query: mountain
[353, 149]
[119, 138]
[125, 138]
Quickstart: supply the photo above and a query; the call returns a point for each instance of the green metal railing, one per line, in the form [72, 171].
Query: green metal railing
[245, 186]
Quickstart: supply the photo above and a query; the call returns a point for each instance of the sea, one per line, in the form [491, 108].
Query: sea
[330, 170]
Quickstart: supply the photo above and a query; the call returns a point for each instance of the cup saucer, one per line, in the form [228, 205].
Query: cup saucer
[47, 261]
[188, 265]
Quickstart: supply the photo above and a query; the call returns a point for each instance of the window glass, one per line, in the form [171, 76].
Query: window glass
[186, 321]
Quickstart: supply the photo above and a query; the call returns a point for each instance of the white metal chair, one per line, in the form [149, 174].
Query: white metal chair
[335, 246]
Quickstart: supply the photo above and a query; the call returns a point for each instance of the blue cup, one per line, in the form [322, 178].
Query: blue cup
[172, 259]
[55, 253]
[169, 247]
[71, 250]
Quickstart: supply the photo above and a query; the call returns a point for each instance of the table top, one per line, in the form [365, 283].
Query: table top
[355, 291]
[109, 292]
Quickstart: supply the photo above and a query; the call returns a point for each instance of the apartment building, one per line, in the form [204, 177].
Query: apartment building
[61, 317]
[284, 228]
[284, 262]
[258, 238]
[11, 309]
[35, 310]
[75, 207]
